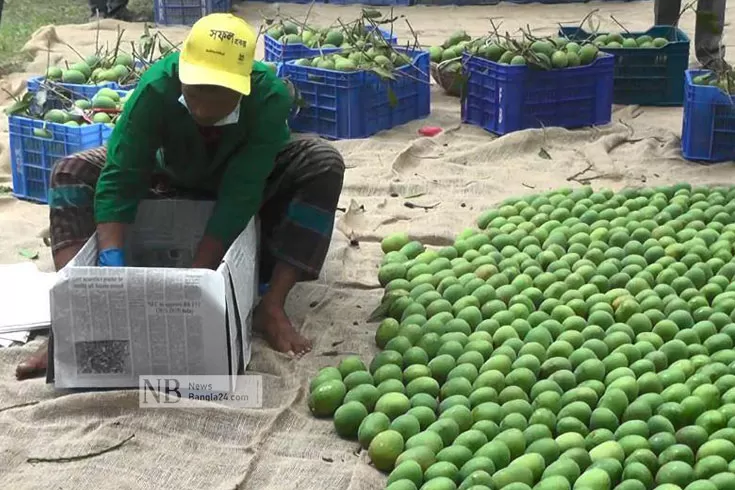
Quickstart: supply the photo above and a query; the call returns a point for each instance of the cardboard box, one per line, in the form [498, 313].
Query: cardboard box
[112, 325]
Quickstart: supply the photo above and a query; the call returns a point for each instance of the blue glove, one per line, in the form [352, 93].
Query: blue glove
[111, 257]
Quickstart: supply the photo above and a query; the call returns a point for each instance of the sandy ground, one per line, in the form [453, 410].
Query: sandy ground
[459, 173]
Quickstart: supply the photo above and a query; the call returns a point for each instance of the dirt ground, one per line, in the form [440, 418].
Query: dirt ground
[454, 176]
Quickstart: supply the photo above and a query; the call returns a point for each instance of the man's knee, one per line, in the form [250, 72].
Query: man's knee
[326, 156]
[62, 173]
[78, 169]
[335, 163]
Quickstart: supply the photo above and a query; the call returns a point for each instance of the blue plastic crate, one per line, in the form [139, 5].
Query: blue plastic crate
[295, 1]
[127, 87]
[650, 76]
[276, 51]
[563, 1]
[339, 105]
[495, 2]
[459, 3]
[33, 157]
[69, 90]
[373, 3]
[503, 98]
[708, 133]
[187, 12]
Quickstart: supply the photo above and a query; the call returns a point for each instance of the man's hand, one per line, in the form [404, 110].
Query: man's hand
[110, 239]
[111, 257]
[209, 254]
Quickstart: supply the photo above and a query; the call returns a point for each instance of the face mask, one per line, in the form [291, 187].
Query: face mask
[232, 118]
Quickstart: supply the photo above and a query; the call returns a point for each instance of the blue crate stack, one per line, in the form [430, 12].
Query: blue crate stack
[647, 76]
[187, 12]
[348, 105]
[708, 133]
[504, 98]
[32, 157]
[276, 51]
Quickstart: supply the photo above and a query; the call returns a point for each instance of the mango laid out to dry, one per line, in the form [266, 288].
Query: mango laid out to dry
[575, 339]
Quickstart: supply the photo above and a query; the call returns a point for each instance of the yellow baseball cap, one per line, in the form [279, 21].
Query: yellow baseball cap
[219, 50]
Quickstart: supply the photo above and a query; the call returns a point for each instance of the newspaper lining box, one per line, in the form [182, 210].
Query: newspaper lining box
[112, 325]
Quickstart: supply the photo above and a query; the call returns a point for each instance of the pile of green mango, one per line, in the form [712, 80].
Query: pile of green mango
[85, 112]
[452, 48]
[94, 69]
[724, 81]
[345, 37]
[545, 53]
[353, 59]
[618, 40]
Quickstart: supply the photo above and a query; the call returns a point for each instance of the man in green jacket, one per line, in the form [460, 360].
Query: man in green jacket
[207, 123]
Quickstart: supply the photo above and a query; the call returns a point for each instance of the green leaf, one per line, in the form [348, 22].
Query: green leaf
[544, 154]
[461, 80]
[4, 189]
[392, 98]
[383, 73]
[21, 105]
[146, 47]
[28, 254]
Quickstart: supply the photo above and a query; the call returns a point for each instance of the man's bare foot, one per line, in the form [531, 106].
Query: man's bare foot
[273, 323]
[35, 365]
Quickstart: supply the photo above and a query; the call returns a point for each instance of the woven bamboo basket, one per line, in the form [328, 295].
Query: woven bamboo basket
[446, 78]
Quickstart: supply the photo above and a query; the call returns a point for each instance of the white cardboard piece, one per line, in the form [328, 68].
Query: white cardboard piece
[158, 318]
[24, 299]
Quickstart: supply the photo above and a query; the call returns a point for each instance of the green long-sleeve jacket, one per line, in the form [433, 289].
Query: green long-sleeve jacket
[154, 122]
